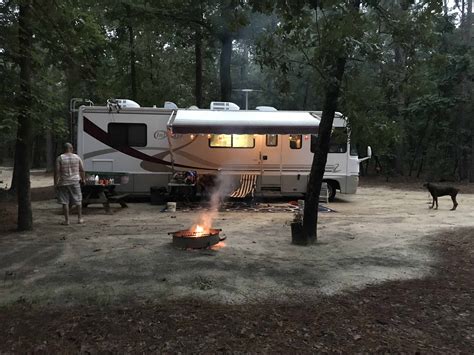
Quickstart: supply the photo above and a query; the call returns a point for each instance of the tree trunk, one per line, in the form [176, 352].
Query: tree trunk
[420, 168]
[71, 80]
[49, 154]
[419, 147]
[400, 61]
[24, 134]
[400, 146]
[467, 33]
[244, 68]
[150, 60]
[198, 60]
[38, 152]
[445, 7]
[465, 167]
[14, 182]
[332, 90]
[306, 94]
[468, 25]
[131, 45]
[310, 217]
[225, 58]
[471, 175]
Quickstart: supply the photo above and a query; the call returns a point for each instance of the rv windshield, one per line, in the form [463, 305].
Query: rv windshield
[338, 142]
[353, 150]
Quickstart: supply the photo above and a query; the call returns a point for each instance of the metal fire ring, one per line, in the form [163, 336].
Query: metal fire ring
[186, 239]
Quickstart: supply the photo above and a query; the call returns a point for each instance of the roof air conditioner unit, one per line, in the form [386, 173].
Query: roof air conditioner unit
[171, 105]
[224, 106]
[126, 103]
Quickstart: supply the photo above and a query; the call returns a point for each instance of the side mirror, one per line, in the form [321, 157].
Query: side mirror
[369, 155]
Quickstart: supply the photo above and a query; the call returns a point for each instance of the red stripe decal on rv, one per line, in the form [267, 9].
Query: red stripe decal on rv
[102, 136]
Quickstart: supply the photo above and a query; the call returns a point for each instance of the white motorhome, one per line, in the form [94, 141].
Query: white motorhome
[148, 144]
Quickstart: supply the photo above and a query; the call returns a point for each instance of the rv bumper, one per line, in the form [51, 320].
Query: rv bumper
[351, 184]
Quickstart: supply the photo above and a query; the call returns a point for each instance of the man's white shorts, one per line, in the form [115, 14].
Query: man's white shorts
[70, 194]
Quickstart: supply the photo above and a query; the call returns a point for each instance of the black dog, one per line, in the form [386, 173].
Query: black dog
[438, 191]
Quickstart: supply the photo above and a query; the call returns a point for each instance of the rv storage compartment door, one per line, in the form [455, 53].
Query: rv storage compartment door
[105, 165]
[294, 182]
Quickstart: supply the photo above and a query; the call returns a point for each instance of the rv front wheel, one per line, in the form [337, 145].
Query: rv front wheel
[331, 192]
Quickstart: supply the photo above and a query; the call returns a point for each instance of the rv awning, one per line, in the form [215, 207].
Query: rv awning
[243, 122]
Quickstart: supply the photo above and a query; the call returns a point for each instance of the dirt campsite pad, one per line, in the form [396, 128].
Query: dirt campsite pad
[375, 236]
[376, 247]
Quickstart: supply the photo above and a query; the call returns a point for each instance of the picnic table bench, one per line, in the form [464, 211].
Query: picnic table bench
[100, 194]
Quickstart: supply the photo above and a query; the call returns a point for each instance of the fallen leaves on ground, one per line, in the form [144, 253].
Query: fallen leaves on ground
[430, 315]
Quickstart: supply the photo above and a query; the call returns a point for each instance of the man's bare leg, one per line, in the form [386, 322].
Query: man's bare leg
[66, 213]
[79, 214]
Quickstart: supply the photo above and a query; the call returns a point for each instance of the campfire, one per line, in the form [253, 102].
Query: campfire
[197, 237]
[202, 235]
[199, 231]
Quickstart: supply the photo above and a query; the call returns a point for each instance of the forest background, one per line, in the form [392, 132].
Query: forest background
[407, 85]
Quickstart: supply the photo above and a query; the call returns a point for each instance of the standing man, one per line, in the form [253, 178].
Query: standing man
[69, 173]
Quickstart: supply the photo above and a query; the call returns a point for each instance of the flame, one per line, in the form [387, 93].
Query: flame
[199, 230]
[203, 223]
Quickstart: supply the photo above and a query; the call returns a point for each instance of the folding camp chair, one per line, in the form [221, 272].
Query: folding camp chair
[248, 184]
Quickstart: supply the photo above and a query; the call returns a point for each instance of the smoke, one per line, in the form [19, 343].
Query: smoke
[222, 188]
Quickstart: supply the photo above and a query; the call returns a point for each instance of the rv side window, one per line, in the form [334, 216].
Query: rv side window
[232, 141]
[243, 141]
[353, 151]
[220, 141]
[127, 134]
[296, 141]
[271, 140]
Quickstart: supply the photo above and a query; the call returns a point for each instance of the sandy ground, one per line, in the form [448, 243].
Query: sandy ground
[380, 234]
[38, 177]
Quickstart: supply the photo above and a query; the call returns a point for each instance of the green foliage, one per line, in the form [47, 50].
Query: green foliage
[407, 89]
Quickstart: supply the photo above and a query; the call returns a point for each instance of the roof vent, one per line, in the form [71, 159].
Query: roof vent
[266, 108]
[224, 106]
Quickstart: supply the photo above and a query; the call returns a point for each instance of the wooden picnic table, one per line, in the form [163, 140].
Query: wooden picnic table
[182, 192]
[101, 194]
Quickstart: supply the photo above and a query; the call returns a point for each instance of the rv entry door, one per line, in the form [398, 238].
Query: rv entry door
[270, 162]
